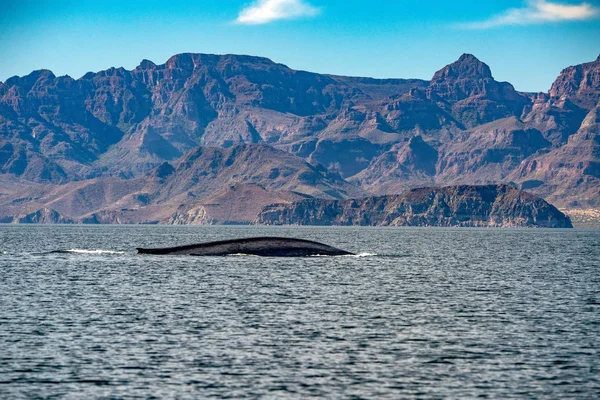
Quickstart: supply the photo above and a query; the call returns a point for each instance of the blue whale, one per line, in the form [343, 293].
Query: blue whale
[258, 246]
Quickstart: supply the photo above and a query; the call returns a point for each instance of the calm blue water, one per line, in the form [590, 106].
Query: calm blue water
[430, 313]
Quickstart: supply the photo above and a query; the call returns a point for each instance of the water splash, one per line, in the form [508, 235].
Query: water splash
[359, 255]
[87, 251]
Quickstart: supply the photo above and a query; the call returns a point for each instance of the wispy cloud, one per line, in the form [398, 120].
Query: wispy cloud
[537, 12]
[265, 11]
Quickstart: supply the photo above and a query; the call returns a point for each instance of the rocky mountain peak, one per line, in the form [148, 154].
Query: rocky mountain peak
[146, 64]
[31, 79]
[181, 61]
[474, 95]
[466, 67]
[579, 82]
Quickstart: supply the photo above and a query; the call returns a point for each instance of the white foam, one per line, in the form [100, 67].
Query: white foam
[363, 255]
[349, 255]
[83, 251]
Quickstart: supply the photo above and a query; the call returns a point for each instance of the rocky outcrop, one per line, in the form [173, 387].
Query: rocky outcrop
[581, 83]
[192, 216]
[466, 206]
[42, 216]
[560, 113]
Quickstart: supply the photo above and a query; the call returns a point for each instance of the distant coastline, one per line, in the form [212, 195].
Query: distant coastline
[451, 206]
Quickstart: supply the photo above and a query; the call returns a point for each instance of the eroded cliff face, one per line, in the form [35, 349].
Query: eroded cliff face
[581, 83]
[467, 206]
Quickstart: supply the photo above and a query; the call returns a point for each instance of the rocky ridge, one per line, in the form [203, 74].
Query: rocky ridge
[465, 206]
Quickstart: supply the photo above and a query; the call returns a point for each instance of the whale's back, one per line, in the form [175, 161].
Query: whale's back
[259, 246]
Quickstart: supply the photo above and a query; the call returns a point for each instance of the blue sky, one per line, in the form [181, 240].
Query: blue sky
[525, 42]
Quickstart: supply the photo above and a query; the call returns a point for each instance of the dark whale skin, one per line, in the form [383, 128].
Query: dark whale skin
[258, 246]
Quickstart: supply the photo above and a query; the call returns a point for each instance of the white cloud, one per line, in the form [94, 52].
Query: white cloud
[537, 12]
[265, 11]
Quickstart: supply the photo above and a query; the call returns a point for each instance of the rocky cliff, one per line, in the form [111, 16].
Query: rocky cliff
[469, 206]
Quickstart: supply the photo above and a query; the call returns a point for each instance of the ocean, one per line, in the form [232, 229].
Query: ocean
[419, 313]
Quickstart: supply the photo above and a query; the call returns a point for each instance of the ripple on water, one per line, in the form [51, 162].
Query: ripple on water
[419, 313]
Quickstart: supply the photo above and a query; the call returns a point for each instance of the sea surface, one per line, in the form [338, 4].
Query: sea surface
[419, 314]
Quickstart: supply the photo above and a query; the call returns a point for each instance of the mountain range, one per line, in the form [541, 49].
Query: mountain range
[215, 138]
